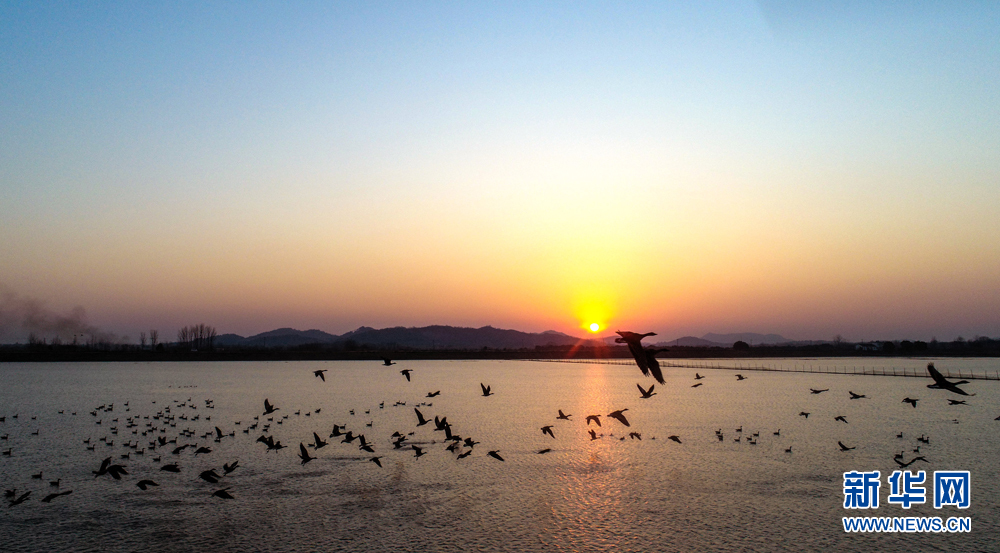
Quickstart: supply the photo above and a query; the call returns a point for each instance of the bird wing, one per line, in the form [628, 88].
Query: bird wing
[654, 365]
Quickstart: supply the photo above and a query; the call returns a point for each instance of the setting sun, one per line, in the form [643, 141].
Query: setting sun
[594, 327]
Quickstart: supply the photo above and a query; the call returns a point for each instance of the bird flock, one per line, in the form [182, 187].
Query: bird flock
[164, 434]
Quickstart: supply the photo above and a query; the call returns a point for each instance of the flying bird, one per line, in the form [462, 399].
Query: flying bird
[856, 396]
[619, 416]
[941, 383]
[696, 385]
[593, 434]
[903, 465]
[844, 447]
[641, 356]
[304, 454]
[387, 362]
[495, 454]
[210, 476]
[594, 418]
[226, 468]
[804, 414]
[434, 394]
[698, 376]
[319, 373]
[957, 402]
[404, 372]
[268, 408]
[52, 496]
[740, 377]
[548, 430]
[841, 419]
[815, 391]
[674, 438]
[911, 401]
[171, 468]
[486, 390]
[317, 443]
[646, 394]
[563, 416]
[376, 461]
[223, 493]
[19, 500]
[544, 451]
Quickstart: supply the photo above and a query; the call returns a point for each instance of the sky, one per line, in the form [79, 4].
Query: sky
[830, 168]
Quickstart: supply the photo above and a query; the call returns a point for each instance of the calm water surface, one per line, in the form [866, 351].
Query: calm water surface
[585, 495]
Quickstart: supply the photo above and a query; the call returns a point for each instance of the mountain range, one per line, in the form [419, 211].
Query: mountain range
[428, 337]
[451, 337]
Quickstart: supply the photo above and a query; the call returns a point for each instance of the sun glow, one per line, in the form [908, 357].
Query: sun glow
[594, 327]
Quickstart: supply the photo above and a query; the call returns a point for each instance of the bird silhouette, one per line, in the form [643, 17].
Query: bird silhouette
[740, 377]
[495, 454]
[698, 376]
[548, 430]
[844, 447]
[911, 401]
[202, 450]
[619, 416]
[815, 391]
[641, 356]
[941, 383]
[304, 454]
[144, 484]
[486, 390]
[223, 493]
[804, 414]
[646, 394]
[903, 465]
[405, 372]
[52, 496]
[674, 438]
[544, 451]
[840, 418]
[171, 468]
[19, 500]
[593, 434]
[210, 476]
[420, 417]
[376, 461]
[696, 385]
[464, 455]
[594, 418]
[418, 451]
[957, 402]
[268, 408]
[635, 436]
[317, 443]
[434, 394]
[388, 362]
[563, 416]
[856, 396]
[319, 373]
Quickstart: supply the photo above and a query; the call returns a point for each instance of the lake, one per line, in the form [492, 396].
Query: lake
[604, 494]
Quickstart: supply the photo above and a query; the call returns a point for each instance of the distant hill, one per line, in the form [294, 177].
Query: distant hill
[748, 337]
[428, 337]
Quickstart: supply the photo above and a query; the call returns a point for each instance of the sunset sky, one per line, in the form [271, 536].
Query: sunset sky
[681, 168]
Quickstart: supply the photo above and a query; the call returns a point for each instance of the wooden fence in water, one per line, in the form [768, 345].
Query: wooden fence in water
[796, 368]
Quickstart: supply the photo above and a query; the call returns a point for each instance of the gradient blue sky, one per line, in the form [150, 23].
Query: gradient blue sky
[829, 168]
